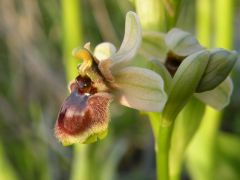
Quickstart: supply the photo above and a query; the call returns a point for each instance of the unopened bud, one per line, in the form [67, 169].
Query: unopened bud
[219, 66]
[184, 82]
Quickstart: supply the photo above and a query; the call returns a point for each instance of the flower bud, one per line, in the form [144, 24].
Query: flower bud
[219, 66]
[184, 82]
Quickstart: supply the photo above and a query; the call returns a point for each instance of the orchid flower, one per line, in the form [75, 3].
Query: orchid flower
[105, 75]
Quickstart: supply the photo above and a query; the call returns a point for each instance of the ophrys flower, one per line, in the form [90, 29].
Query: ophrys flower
[105, 75]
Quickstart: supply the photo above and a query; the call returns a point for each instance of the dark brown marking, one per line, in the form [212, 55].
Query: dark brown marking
[173, 62]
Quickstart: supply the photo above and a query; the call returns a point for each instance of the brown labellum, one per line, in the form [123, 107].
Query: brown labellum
[85, 113]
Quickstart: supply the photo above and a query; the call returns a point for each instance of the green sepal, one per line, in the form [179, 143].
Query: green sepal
[219, 66]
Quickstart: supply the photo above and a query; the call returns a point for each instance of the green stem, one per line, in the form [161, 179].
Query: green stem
[224, 24]
[80, 169]
[154, 120]
[72, 35]
[162, 130]
[152, 14]
[204, 21]
[163, 146]
[152, 17]
[201, 152]
[72, 38]
[172, 10]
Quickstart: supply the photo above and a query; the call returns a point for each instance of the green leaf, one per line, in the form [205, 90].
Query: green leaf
[226, 159]
[228, 164]
[219, 97]
[185, 127]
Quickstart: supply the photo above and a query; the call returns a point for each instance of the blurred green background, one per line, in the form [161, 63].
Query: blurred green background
[36, 40]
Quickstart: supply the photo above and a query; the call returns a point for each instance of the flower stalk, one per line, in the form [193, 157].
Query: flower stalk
[72, 37]
[163, 145]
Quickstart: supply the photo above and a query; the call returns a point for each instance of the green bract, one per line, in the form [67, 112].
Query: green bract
[185, 82]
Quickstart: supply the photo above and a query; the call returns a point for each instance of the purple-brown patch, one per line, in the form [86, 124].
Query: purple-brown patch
[84, 113]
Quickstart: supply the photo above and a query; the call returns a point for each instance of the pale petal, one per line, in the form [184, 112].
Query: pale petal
[219, 97]
[182, 43]
[87, 46]
[104, 50]
[140, 89]
[131, 41]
